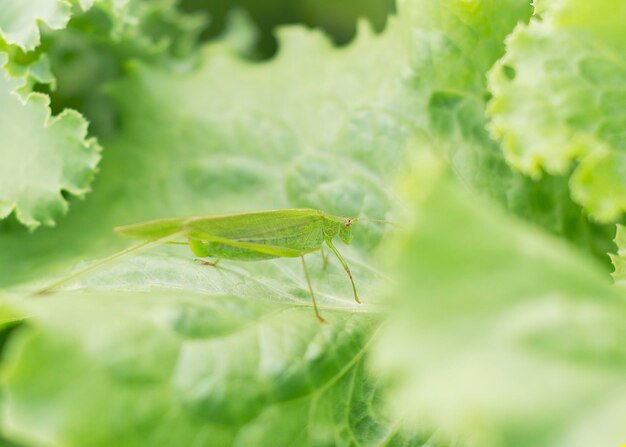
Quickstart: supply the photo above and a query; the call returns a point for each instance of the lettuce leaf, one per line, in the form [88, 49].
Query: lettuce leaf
[18, 20]
[619, 274]
[42, 157]
[218, 369]
[155, 349]
[557, 96]
[496, 340]
[225, 136]
[454, 44]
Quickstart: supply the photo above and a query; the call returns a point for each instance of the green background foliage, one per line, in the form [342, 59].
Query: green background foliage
[488, 318]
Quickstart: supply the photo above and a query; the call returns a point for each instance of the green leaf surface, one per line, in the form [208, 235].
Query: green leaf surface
[455, 44]
[19, 20]
[152, 25]
[619, 274]
[208, 141]
[155, 349]
[22, 23]
[559, 98]
[41, 156]
[217, 369]
[451, 102]
[496, 339]
[227, 136]
[92, 51]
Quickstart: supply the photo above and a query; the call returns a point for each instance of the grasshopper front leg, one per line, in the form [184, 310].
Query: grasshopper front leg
[198, 249]
[345, 267]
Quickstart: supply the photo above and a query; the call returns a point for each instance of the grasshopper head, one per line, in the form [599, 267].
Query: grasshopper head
[342, 226]
[345, 226]
[345, 230]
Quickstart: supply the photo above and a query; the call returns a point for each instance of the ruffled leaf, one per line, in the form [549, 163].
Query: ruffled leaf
[19, 20]
[559, 98]
[41, 157]
[227, 136]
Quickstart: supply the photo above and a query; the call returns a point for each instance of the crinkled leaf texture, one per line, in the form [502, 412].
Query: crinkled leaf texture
[232, 136]
[559, 97]
[40, 156]
[158, 350]
[618, 258]
[503, 336]
[20, 20]
[212, 370]
[175, 353]
[454, 45]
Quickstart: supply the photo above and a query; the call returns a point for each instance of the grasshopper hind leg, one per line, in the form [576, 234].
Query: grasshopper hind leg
[308, 281]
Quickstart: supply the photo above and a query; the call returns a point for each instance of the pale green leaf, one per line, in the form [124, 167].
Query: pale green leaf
[228, 136]
[21, 23]
[41, 157]
[155, 349]
[454, 45]
[559, 98]
[218, 369]
[503, 336]
[19, 20]
[619, 274]
[35, 71]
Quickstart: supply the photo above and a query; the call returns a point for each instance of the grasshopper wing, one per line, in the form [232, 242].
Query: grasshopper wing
[154, 229]
[297, 229]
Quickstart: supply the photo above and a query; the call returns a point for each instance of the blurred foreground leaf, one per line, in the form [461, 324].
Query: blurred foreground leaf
[503, 336]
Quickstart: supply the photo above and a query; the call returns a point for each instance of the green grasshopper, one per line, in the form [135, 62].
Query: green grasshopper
[255, 236]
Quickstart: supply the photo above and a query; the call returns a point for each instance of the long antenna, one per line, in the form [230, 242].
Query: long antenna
[367, 219]
[73, 276]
